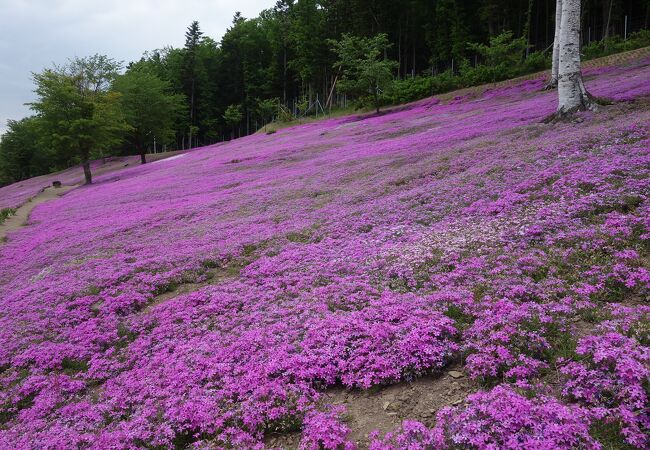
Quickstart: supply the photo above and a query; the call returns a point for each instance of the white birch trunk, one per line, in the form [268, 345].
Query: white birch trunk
[556, 46]
[572, 93]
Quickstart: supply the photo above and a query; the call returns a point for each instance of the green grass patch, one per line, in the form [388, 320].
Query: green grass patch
[93, 290]
[609, 435]
[594, 315]
[459, 316]
[166, 287]
[563, 345]
[73, 366]
[125, 335]
[6, 212]
[210, 264]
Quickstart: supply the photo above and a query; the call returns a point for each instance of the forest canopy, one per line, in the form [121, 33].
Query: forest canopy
[285, 64]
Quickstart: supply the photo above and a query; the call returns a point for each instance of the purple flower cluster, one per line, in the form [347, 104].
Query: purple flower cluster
[612, 374]
[396, 337]
[324, 431]
[498, 419]
[357, 251]
[16, 194]
[510, 340]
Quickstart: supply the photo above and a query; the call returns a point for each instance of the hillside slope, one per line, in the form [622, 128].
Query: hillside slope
[16, 194]
[215, 298]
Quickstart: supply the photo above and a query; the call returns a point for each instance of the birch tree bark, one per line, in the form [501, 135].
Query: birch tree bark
[552, 84]
[573, 95]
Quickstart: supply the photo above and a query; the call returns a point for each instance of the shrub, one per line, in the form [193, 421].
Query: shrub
[616, 44]
[503, 60]
[6, 212]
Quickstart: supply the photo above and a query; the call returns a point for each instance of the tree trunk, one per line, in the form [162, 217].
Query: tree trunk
[552, 84]
[573, 95]
[284, 73]
[527, 25]
[608, 22]
[399, 49]
[191, 113]
[377, 99]
[143, 158]
[85, 162]
[607, 26]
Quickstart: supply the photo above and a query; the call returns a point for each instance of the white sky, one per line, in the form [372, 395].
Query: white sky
[36, 33]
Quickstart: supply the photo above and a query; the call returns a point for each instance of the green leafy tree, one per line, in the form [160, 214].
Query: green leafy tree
[246, 63]
[275, 24]
[233, 117]
[169, 65]
[446, 33]
[21, 156]
[504, 54]
[266, 109]
[306, 35]
[77, 112]
[364, 70]
[148, 108]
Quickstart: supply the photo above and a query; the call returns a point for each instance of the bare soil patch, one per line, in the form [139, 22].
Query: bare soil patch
[384, 408]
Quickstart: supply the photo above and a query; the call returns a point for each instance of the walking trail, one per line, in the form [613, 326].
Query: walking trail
[19, 219]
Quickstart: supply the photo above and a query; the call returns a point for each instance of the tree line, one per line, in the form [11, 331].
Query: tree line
[296, 58]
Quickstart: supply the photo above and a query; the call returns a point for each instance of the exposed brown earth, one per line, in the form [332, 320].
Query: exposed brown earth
[384, 408]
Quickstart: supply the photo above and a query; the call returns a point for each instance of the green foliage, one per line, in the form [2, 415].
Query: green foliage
[284, 114]
[266, 109]
[503, 59]
[23, 152]
[191, 70]
[306, 33]
[302, 105]
[364, 71]
[287, 53]
[233, 117]
[461, 319]
[503, 49]
[243, 73]
[609, 435]
[76, 111]
[6, 212]
[447, 34]
[73, 366]
[148, 106]
[410, 89]
[616, 44]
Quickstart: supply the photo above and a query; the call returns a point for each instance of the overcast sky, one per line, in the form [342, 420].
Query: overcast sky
[36, 33]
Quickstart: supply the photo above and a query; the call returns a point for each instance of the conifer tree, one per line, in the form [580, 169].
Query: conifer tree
[193, 38]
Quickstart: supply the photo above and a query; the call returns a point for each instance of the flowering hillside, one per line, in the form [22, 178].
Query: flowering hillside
[16, 194]
[352, 252]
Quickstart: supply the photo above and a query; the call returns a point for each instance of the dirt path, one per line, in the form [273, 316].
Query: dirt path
[14, 222]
